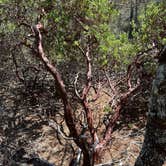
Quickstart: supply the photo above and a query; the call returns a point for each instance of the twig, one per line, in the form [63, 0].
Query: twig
[110, 84]
[114, 118]
[75, 86]
[57, 128]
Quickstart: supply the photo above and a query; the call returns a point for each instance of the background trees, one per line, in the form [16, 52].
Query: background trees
[65, 54]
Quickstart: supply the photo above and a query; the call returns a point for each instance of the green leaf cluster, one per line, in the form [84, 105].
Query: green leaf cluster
[72, 23]
[152, 25]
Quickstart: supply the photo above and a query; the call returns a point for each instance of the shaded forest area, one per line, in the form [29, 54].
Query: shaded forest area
[82, 83]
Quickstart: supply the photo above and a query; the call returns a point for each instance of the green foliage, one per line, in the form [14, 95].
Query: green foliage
[107, 109]
[71, 24]
[7, 28]
[150, 67]
[77, 21]
[152, 25]
[3, 1]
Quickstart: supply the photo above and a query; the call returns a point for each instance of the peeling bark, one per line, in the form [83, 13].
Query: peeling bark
[68, 111]
[153, 152]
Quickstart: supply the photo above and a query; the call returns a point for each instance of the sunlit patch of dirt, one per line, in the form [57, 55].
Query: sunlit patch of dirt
[124, 147]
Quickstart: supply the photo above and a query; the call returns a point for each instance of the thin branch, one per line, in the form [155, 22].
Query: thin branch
[135, 63]
[110, 83]
[80, 23]
[59, 131]
[108, 134]
[75, 86]
[86, 91]
[81, 49]
[88, 75]
[78, 158]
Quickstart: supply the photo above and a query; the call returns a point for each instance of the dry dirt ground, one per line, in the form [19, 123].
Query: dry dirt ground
[25, 123]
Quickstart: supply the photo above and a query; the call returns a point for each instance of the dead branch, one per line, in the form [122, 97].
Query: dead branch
[59, 131]
[75, 86]
[110, 83]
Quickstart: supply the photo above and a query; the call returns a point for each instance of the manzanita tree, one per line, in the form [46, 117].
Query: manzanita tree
[53, 32]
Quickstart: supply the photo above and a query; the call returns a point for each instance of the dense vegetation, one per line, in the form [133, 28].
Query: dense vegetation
[60, 58]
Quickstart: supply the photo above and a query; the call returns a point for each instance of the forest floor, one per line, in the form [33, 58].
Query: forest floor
[25, 123]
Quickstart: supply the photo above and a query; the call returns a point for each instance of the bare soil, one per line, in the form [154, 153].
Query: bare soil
[25, 123]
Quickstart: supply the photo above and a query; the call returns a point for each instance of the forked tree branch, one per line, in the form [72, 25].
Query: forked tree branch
[109, 129]
[69, 116]
[68, 112]
[89, 112]
[85, 93]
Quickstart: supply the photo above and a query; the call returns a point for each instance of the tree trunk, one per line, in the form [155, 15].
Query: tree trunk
[153, 152]
[88, 159]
